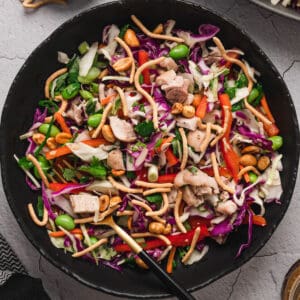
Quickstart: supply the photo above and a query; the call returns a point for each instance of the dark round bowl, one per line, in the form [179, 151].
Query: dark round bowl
[27, 90]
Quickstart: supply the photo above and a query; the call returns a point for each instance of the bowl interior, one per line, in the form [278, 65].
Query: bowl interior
[27, 90]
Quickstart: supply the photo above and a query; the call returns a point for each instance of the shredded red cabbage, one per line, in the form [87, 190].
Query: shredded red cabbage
[222, 228]
[250, 230]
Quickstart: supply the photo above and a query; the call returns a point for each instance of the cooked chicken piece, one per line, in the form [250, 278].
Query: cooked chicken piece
[227, 208]
[165, 77]
[177, 94]
[162, 159]
[196, 178]
[188, 123]
[188, 77]
[202, 190]
[177, 82]
[84, 203]
[169, 63]
[115, 160]
[172, 196]
[195, 139]
[190, 198]
[75, 113]
[122, 130]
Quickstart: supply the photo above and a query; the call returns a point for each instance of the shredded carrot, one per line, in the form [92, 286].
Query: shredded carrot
[129, 222]
[106, 100]
[271, 129]
[201, 108]
[246, 175]
[267, 110]
[165, 141]
[259, 220]
[171, 158]
[62, 123]
[64, 150]
[169, 267]
[197, 100]
[57, 234]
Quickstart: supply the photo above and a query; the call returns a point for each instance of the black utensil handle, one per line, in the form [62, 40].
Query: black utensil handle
[172, 285]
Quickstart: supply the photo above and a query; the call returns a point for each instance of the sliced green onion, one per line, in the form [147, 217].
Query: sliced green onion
[83, 48]
[152, 173]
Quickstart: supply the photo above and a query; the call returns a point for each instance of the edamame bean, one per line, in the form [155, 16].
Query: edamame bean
[93, 240]
[94, 120]
[44, 165]
[179, 51]
[252, 177]
[65, 221]
[44, 129]
[70, 91]
[85, 94]
[277, 141]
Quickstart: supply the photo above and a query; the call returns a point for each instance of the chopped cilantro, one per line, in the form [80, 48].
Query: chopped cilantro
[158, 143]
[24, 163]
[69, 174]
[84, 179]
[182, 251]
[193, 170]
[51, 105]
[130, 175]
[155, 198]
[96, 168]
[145, 129]
[142, 108]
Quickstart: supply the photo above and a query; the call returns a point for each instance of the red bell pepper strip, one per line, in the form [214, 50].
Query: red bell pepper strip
[223, 171]
[196, 221]
[143, 57]
[178, 240]
[231, 159]
[167, 178]
[225, 101]
[171, 158]
[57, 187]
[230, 156]
[201, 108]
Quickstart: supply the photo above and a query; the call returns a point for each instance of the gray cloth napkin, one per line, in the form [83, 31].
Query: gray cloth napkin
[9, 262]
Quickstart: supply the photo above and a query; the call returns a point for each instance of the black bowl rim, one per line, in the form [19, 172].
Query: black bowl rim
[235, 266]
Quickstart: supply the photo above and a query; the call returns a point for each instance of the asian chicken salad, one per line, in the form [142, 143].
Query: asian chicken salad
[167, 131]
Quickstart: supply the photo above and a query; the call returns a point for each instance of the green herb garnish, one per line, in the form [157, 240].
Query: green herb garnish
[96, 168]
[155, 198]
[144, 129]
[69, 174]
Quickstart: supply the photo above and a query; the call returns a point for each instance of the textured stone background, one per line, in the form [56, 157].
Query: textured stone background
[262, 276]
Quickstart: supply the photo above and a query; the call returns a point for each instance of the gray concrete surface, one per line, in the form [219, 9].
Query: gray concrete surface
[262, 276]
